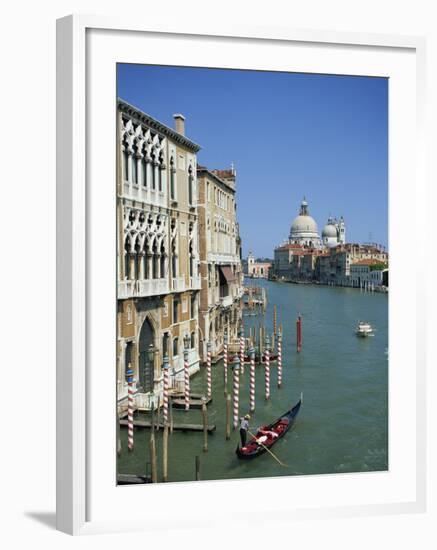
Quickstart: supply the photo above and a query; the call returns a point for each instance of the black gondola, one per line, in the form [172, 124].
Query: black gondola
[280, 427]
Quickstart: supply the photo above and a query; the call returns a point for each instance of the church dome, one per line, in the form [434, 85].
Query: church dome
[303, 224]
[329, 231]
[304, 229]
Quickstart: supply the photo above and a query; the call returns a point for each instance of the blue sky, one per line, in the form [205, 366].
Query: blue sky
[288, 135]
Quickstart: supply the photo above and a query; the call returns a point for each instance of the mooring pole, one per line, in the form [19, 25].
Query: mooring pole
[279, 358]
[267, 368]
[252, 379]
[274, 319]
[242, 349]
[166, 384]
[130, 409]
[186, 375]
[208, 371]
[153, 457]
[299, 333]
[225, 362]
[165, 454]
[205, 425]
[197, 465]
[236, 389]
[117, 419]
[228, 416]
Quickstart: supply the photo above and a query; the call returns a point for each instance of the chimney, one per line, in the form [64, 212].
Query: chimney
[179, 124]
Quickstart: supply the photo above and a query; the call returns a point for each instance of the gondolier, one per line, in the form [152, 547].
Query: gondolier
[244, 426]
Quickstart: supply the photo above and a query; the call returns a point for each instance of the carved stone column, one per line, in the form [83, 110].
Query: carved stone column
[132, 266]
[141, 275]
[149, 266]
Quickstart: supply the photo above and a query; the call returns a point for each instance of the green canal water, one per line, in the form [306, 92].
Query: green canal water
[343, 423]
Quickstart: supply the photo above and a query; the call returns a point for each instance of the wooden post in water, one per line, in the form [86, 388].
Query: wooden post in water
[299, 333]
[186, 375]
[118, 435]
[130, 410]
[236, 390]
[225, 363]
[208, 371]
[274, 319]
[252, 379]
[279, 358]
[171, 415]
[242, 350]
[267, 368]
[228, 416]
[166, 384]
[205, 425]
[197, 465]
[153, 457]
[165, 453]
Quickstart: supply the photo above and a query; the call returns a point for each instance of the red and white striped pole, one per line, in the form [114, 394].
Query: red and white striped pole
[236, 390]
[242, 349]
[225, 362]
[166, 385]
[279, 358]
[130, 408]
[208, 371]
[267, 368]
[252, 379]
[186, 374]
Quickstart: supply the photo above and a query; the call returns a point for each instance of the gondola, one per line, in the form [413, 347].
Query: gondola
[280, 426]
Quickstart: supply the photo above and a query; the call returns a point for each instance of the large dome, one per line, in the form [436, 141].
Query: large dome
[304, 229]
[303, 224]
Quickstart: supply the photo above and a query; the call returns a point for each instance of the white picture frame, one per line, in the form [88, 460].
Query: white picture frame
[76, 234]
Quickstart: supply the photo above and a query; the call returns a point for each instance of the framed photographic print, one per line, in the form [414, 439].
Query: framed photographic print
[235, 313]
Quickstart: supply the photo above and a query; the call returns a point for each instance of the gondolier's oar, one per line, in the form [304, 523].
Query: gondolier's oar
[268, 450]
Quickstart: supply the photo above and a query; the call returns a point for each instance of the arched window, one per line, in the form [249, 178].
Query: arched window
[175, 347]
[172, 180]
[193, 340]
[126, 258]
[191, 265]
[190, 186]
[155, 260]
[134, 167]
[162, 260]
[153, 172]
[144, 165]
[126, 165]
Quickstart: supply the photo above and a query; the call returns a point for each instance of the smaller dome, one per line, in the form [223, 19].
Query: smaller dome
[329, 230]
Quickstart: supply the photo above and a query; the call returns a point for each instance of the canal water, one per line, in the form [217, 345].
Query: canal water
[343, 423]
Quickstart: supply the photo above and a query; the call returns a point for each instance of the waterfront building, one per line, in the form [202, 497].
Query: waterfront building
[220, 259]
[257, 269]
[158, 278]
[283, 259]
[364, 273]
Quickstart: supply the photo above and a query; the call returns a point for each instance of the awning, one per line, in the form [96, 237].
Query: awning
[227, 273]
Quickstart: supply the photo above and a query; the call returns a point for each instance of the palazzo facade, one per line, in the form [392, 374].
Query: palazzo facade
[158, 261]
[220, 259]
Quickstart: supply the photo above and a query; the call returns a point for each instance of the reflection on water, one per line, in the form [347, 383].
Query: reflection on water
[342, 425]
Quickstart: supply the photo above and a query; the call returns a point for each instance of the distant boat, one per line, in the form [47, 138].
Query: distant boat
[364, 329]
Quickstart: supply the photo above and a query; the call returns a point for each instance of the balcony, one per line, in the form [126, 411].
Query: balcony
[178, 284]
[226, 301]
[195, 282]
[141, 289]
